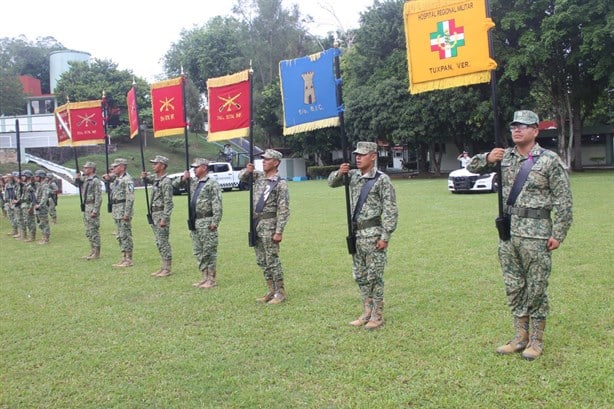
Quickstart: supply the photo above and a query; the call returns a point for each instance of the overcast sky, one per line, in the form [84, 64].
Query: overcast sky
[136, 35]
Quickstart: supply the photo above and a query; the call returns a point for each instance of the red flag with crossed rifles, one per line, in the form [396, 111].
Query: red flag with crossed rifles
[168, 107]
[86, 123]
[229, 106]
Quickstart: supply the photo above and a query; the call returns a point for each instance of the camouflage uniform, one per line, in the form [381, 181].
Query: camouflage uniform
[27, 202]
[43, 192]
[53, 198]
[271, 220]
[161, 208]
[206, 205]
[91, 190]
[376, 221]
[9, 197]
[19, 186]
[122, 199]
[525, 260]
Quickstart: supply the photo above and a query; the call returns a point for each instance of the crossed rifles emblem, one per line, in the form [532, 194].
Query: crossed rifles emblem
[86, 120]
[229, 103]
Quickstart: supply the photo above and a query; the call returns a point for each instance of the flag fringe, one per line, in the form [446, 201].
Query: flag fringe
[458, 81]
[85, 104]
[89, 142]
[416, 6]
[168, 132]
[167, 83]
[228, 79]
[312, 126]
[225, 135]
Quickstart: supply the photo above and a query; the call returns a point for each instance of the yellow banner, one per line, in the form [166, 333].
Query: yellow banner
[447, 44]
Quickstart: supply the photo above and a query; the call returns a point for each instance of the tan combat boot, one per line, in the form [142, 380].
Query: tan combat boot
[32, 237]
[269, 295]
[280, 293]
[121, 262]
[367, 310]
[204, 276]
[210, 281]
[377, 317]
[128, 260]
[89, 255]
[44, 240]
[95, 254]
[13, 233]
[158, 271]
[166, 269]
[521, 326]
[536, 342]
[19, 235]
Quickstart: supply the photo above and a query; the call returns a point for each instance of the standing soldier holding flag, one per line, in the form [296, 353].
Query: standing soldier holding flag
[374, 218]
[161, 208]
[271, 201]
[92, 200]
[122, 200]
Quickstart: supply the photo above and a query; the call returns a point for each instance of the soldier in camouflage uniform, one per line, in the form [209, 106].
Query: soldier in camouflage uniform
[41, 209]
[91, 192]
[271, 213]
[9, 198]
[122, 200]
[206, 213]
[526, 258]
[19, 220]
[27, 202]
[161, 208]
[373, 226]
[53, 197]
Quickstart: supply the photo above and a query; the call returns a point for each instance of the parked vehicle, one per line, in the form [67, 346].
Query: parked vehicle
[461, 180]
[222, 172]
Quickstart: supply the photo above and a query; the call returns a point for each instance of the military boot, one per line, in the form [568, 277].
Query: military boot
[18, 235]
[121, 262]
[210, 281]
[128, 260]
[536, 342]
[166, 269]
[280, 293]
[201, 282]
[32, 237]
[44, 240]
[377, 316]
[95, 254]
[367, 310]
[89, 255]
[521, 326]
[158, 271]
[268, 296]
[13, 233]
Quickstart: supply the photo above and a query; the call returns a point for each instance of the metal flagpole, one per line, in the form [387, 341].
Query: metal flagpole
[141, 143]
[105, 119]
[191, 216]
[351, 238]
[252, 228]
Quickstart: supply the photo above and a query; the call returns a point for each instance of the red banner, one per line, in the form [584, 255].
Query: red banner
[86, 123]
[167, 107]
[133, 113]
[229, 106]
[62, 129]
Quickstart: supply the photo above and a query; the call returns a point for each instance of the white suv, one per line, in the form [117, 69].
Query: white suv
[461, 180]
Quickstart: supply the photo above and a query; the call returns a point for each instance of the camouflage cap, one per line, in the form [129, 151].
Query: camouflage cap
[40, 173]
[89, 164]
[27, 173]
[272, 154]
[15, 174]
[159, 159]
[362, 148]
[525, 117]
[199, 162]
[119, 161]
[8, 175]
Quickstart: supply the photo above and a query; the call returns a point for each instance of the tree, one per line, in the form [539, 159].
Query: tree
[12, 100]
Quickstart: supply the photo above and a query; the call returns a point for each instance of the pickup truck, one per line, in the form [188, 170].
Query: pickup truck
[222, 172]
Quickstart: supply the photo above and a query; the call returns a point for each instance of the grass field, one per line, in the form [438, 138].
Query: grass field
[79, 334]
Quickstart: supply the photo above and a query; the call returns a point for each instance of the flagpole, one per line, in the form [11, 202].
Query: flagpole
[18, 142]
[252, 231]
[74, 149]
[140, 136]
[191, 217]
[105, 116]
[351, 240]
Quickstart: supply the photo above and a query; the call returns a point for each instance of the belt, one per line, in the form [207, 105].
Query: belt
[267, 215]
[365, 224]
[157, 208]
[203, 215]
[528, 213]
[118, 201]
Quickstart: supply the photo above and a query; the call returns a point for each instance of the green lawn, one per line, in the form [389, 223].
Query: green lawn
[83, 334]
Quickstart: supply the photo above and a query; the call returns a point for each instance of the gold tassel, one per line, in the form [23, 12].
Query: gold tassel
[228, 79]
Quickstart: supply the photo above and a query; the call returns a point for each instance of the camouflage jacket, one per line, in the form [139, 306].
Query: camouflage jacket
[27, 197]
[381, 203]
[208, 204]
[547, 187]
[92, 194]
[161, 195]
[122, 196]
[276, 201]
[43, 192]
